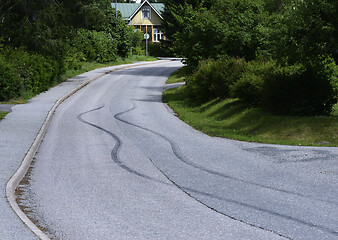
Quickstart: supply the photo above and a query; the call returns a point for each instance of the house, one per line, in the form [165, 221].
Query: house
[144, 16]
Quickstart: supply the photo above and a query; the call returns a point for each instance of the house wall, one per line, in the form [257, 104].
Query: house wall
[155, 19]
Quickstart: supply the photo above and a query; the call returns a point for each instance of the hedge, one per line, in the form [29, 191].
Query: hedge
[289, 90]
[21, 71]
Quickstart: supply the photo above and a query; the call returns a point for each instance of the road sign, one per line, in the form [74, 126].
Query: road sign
[146, 36]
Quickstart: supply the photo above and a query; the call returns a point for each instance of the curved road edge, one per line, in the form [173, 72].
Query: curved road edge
[14, 181]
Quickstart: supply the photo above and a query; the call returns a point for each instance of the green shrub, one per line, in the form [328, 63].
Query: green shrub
[198, 84]
[10, 81]
[331, 71]
[38, 73]
[105, 47]
[136, 40]
[249, 87]
[288, 90]
[299, 90]
[22, 71]
[73, 58]
[1, 43]
[226, 72]
[215, 78]
[94, 46]
[160, 50]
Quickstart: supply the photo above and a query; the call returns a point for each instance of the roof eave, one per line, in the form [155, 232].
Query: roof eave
[146, 1]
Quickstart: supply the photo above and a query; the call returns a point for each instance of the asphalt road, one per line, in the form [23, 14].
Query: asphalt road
[117, 164]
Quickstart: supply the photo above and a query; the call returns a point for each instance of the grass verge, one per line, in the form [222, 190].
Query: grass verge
[89, 66]
[178, 76]
[86, 67]
[232, 119]
[3, 114]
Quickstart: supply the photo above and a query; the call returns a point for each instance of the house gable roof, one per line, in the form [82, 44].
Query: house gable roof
[128, 10]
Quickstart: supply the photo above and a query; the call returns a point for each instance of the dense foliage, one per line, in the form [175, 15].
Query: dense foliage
[22, 71]
[40, 39]
[281, 55]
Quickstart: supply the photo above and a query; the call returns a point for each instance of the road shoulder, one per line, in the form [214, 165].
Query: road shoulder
[18, 131]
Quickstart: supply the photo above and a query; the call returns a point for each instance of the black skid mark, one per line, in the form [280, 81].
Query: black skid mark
[177, 151]
[117, 147]
[115, 158]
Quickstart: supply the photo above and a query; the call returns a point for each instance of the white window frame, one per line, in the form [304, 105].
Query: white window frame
[157, 35]
[146, 10]
[155, 32]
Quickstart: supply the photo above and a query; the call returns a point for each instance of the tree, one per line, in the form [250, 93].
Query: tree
[225, 27]
[42, 25]
[308, 31]
[34, 24]
[200, 36]
[299, 38]
[174, 9]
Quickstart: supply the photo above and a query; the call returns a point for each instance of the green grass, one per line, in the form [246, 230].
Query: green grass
[3, 114]
[232, 119]
[178, 76]
[86, 67]
[25, 96]
[89, 66]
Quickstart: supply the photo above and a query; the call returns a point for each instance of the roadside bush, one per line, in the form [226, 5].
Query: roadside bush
[331, 71]
[105, 47]
[288, 90]
[10, 81]
[136, 40]
[37, 72]
[1, 43]
[94, 46]
[198, 84]
[26, 72]
[160, 50]
[299, 90]
[249, 87]
[73, 58]
[225, 73]
[215, 78]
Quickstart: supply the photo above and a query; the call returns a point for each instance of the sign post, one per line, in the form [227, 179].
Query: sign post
[146, 37]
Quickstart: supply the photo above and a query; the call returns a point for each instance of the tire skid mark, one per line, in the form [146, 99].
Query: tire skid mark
[186, 190]
[178, 153]
[115, 150]
[115, 158]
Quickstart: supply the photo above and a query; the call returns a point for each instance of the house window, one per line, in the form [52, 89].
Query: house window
[158, 35]
[146, 13]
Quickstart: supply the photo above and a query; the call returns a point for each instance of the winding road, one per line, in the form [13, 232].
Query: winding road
[117, 164]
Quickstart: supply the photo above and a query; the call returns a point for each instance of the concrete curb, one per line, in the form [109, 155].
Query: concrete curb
[14, 181]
